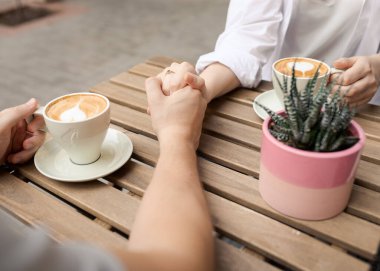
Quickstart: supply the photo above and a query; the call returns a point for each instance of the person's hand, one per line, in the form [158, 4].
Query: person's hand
[174, 77]
[360, 80]
[178, 116]
[19, 140]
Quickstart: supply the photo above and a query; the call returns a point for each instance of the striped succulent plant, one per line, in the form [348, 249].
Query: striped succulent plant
[316, 123]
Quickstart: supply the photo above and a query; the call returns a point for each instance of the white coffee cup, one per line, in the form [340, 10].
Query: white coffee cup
[81, 136]
[303, 64]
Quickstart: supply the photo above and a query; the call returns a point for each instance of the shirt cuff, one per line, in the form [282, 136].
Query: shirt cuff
[245, 66]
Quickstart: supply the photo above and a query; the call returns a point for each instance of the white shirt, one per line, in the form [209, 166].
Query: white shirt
[258, 32]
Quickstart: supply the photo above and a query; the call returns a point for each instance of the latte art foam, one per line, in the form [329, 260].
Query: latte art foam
[303, 67]
[76, 107]
[73, 114]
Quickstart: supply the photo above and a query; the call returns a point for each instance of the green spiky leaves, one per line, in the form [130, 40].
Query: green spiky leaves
[317, 122]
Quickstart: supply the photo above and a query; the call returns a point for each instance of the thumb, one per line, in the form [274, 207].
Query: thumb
[194, 81]
[344, 63]
[153, 90]
[13, 115]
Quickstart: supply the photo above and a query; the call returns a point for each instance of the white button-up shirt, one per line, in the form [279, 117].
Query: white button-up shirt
[258, 32]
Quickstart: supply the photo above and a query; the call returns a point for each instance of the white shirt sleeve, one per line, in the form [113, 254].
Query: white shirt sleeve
[248, 42]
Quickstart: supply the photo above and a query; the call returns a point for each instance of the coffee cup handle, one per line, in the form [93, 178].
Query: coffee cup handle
[334, 71]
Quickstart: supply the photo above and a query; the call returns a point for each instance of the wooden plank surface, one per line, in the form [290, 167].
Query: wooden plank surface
[231, 131]
[65, 191]
[245, 114]
[236, 225]
[226, 128]
[118, 209]
[244, 190]
[63, 222]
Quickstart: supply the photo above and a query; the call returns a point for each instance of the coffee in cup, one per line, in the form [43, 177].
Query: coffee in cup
[77, 107]
[79, 123]
[303, 67]
[304, 70]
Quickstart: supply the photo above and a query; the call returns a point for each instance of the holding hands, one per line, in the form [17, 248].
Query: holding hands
[177, 76]
[361, 78]
[177, 104]
[176, 118]
[19, 140]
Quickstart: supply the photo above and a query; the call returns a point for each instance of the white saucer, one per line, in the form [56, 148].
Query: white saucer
[270, 100]
[53, 162]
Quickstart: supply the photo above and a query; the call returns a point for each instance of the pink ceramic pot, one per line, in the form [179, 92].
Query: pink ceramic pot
[304, 184]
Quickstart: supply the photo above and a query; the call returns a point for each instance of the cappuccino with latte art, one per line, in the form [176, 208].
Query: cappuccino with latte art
[304, 67]
[304, 70]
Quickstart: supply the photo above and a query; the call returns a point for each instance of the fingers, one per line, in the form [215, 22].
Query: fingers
[18, 136]
[22, 156]
[344, 63]
[194, 81]
[359, 70]
[37, 123]
[11, 116]
[363, 101]
[36, 140]
[166, 78]
[153, 91]
[173, 77]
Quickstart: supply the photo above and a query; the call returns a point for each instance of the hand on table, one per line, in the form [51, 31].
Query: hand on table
[179, 115]
[361, 78]
[19, 140]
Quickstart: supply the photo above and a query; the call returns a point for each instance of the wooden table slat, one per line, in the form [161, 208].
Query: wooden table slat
[231, 259]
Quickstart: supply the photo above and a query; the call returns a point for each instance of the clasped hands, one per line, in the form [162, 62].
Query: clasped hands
[177, 104]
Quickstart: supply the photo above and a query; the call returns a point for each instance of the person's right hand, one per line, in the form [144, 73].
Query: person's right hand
[19, 140]
[178, 116]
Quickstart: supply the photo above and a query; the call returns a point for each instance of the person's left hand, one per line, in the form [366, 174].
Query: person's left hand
[360, 80]
[19, 140]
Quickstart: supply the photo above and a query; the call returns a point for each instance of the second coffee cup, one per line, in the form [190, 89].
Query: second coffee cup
[305, 68]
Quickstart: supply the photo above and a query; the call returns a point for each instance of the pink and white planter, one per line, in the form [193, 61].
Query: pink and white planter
[304, 184]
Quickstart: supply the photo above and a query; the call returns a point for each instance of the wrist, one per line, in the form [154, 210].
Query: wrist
[172, 138]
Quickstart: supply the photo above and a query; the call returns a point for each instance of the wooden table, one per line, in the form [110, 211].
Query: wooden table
[250, 235]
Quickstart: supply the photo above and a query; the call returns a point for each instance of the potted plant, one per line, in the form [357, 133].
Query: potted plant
[309, 152]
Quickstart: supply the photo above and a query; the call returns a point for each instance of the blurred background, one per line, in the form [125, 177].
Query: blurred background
[87, 41]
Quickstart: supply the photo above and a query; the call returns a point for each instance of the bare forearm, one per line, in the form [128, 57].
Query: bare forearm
[174, 216]
[219, 80]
